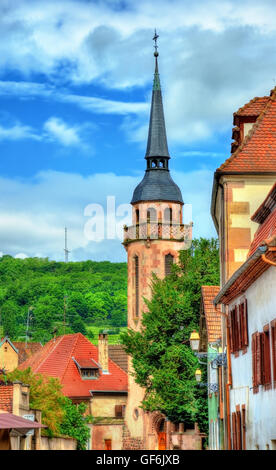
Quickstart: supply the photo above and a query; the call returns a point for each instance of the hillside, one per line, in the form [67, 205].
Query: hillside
[87, 292]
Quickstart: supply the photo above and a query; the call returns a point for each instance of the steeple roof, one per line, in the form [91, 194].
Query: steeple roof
[157, 139]
[157, 184]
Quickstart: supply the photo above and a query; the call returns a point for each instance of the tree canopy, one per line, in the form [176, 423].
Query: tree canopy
[84, 293]
[59, 414]
[162, 359]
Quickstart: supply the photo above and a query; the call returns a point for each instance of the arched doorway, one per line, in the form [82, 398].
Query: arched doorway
[162, 444]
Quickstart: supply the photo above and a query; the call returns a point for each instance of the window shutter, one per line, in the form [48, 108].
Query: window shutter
[241, 327]
[118, 411]
[243, 428]
[236, 329]
[245, 323]
[229, 320]
[234, 432]
[266, 358]
[259, 365]
[238, 427]
[273, 341]
[254, 359]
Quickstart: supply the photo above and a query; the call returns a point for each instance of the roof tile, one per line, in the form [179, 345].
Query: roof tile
[212, 313]
[55, 360]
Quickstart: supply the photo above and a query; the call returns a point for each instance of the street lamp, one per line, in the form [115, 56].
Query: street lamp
[217, 358]
[194, 340]
[198, 375]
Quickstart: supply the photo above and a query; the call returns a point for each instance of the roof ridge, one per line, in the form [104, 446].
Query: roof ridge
[250, 102]
[250, 133]
[71, 354]
[38, 352]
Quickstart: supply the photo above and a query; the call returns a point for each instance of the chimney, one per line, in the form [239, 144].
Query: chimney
[103, 352]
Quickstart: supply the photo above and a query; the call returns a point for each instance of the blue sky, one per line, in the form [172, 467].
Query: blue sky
[75, 90]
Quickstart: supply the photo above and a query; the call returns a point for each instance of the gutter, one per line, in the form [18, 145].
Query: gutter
[256, 255]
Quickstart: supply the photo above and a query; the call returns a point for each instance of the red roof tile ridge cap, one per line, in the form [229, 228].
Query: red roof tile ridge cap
[253, 100]
[248, 136]
[50, 352]
[71, 354]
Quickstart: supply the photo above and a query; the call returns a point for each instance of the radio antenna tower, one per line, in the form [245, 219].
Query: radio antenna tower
[66, 251]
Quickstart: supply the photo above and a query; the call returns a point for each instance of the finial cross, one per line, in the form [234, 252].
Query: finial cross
[155, 37]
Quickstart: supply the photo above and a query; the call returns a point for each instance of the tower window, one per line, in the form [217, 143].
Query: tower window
[168, 215]
[168, 264]
[136, 268]
[151, 215]
[137, 215]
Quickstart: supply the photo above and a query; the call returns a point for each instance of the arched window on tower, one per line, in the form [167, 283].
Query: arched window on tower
[137, 216]
[168, 264]
[168, 215]
[151, 215]
[136, 285]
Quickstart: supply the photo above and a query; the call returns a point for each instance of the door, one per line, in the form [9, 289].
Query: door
[107, 444]
[161, 441]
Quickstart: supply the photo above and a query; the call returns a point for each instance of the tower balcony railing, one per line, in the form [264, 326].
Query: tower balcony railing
[158, 231]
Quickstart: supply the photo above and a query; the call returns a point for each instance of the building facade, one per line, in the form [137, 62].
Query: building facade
[240, 185]
[249, 298]
[152, 244]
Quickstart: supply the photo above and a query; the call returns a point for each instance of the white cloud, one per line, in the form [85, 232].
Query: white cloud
[18, 132]
[208, 55]
[34, 223]
[58, 130]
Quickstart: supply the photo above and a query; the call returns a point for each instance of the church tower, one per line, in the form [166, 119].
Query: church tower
[152, 244]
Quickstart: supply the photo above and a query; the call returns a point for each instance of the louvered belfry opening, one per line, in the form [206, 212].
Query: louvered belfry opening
[168, 264]
[136, 269]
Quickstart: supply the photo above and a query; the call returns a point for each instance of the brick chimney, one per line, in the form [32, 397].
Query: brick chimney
[103, 352]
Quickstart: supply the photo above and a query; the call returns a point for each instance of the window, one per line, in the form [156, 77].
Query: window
[136, 275]
[239, 429]
[151, 215]
[168, 264]
[273, 343]
[168, 215]
[238, 327]
[107, 444]
[90, 373]
[261, 364]
[119, 411]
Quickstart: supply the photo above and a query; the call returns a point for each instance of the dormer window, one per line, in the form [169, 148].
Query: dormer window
[88, 368]
[89, 373]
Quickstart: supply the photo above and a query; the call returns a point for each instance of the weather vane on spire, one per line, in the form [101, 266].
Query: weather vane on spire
[155, 37]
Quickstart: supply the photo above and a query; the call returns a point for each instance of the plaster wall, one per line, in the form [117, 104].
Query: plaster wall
[8, 357]
[242, 196]
[104, 431]
[105, 406]
[260, 407]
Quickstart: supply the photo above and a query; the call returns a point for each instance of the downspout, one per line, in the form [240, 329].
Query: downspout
[228, 386]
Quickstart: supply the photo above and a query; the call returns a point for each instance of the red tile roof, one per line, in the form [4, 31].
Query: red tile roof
[266, 207]
[212, 313]
[257, 153]
[6, 397]
[117, 354]
[265, 231]
[254, 107]
[26, 351]
[55, 360]
[10, 421]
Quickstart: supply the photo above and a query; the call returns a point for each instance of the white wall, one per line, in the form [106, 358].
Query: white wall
[260, 407]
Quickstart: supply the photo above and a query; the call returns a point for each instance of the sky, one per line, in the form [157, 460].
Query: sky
[75, 90]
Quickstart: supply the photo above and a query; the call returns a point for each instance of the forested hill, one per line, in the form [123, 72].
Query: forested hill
[89, 292]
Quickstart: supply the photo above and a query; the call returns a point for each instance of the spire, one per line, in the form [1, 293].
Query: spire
[157, 140]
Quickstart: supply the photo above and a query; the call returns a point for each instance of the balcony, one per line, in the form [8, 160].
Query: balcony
[158, 231]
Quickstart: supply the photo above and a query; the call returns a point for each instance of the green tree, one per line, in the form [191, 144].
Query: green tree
[162, 359]
[58, 412]
[73, 423]
[9, 311]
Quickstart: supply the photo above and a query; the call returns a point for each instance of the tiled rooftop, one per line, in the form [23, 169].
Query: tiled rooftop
[55, 360]
[6, 397]
[257, 153]
[212, 313]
